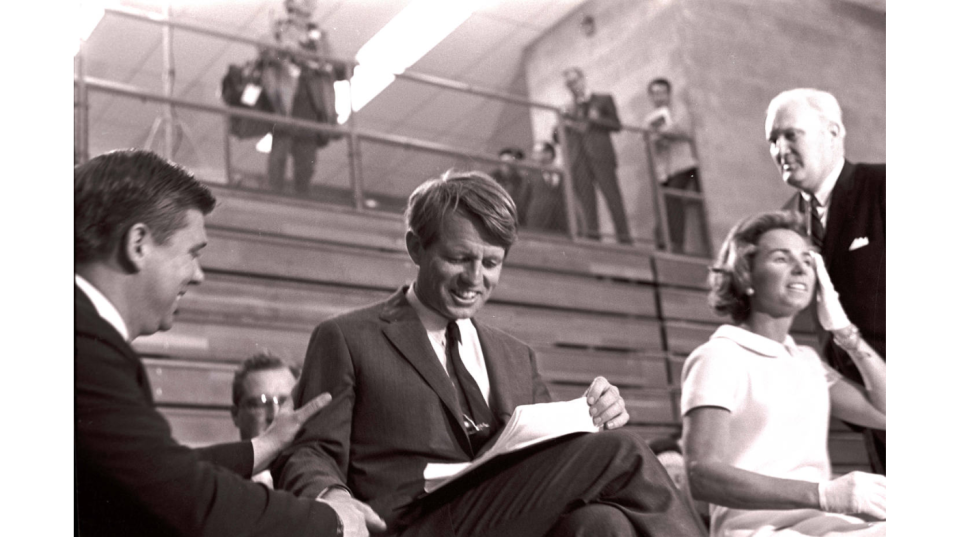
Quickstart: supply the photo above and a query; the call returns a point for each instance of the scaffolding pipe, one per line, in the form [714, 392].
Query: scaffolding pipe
[82, 106]
[168, 77]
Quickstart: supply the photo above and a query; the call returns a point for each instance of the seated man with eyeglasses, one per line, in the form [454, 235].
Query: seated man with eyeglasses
[261, 390]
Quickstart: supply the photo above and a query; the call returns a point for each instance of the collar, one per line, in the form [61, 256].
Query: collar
[431, 320]
[104, 307]
[824, 192]
[756, 343]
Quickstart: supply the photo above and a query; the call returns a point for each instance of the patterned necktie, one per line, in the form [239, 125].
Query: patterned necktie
[816, 229]
[477, 416]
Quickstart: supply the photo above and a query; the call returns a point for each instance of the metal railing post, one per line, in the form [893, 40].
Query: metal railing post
[569, 195]
[353, 150]
[659, 204]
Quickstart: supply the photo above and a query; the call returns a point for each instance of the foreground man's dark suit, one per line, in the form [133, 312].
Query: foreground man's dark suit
[133, 479]
[394, 409]
[857, 210]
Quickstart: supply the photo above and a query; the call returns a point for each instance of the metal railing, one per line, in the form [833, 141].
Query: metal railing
[354, 135]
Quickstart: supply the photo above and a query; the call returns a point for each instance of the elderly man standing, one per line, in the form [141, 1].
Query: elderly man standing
[588, 121]
[138, 233]
[845, 208]
[417, 380]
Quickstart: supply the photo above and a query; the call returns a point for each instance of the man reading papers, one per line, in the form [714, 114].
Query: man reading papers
[416, 381]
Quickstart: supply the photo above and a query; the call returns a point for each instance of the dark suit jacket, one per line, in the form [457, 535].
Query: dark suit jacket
[132, 478]
[857, 209]
[394, 408]
[595, 144]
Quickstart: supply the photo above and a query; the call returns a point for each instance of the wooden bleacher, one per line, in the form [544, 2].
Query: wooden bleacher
[276, 267]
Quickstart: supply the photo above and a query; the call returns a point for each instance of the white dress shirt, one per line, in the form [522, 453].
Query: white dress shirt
[104, 307]
[824, 192]
[470, 350]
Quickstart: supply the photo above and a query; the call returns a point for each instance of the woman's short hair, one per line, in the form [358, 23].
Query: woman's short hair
[731, 275]
[473, 194]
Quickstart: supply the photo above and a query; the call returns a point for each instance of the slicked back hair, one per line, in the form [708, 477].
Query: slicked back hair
[261, 361]
[731, 275]
[473, 194]
[116, 190]
[823, 102]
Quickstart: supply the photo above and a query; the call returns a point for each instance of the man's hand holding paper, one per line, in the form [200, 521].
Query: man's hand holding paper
[606, 406]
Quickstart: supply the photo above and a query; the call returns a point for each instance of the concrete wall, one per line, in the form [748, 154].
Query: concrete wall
[726, 59]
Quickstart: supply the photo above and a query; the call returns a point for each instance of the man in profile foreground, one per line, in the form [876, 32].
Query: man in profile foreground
[138, 233]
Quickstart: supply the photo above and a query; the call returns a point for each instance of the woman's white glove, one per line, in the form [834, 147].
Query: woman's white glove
[855, 492]
[831, 315]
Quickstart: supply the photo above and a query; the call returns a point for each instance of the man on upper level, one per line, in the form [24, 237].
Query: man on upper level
[845, 208]
[588, 121]
[674, 156]
[417, 380]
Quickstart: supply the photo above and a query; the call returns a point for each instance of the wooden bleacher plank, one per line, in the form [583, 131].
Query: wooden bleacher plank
[180, 382]
[582, 258]
[238, 253]
[683, 337]
[681, 271]
[687, 305]
[643, 405]
[195, 336]
[200, 427]
[226, 299]
[675, 366]
[238, 210]
[290, 217]
[224, 343]
[622, 369]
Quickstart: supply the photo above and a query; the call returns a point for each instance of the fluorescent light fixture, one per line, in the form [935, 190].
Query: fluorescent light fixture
[265, 144]
[409, 36]
[88, 16]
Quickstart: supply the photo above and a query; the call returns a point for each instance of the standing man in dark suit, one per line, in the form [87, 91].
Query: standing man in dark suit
[417, 380]
[845, 208]
[138, 232]
[589, 119]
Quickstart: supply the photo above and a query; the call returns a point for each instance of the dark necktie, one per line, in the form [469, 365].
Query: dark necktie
[477, 416]
[815, 223]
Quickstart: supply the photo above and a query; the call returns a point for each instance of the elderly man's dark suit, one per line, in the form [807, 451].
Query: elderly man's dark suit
[395, 409]
[593, 161]
[857, 210]
[132, 478]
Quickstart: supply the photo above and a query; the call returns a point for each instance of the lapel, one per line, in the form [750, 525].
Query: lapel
[503, 383]
[88, 321]
[406, 333]
[840, 211]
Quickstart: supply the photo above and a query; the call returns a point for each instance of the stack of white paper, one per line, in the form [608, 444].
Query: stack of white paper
[529, 425]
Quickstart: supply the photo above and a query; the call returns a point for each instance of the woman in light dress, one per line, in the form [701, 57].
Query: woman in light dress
[756, 405]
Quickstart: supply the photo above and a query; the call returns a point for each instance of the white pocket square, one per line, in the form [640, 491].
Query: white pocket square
[858, 243]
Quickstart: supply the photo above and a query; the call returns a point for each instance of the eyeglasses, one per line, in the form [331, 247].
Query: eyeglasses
[263, 401]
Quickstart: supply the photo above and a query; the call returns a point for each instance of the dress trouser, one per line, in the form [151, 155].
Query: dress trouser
[300, 144]
[586, 173]
[606, 483]
[676, 207]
